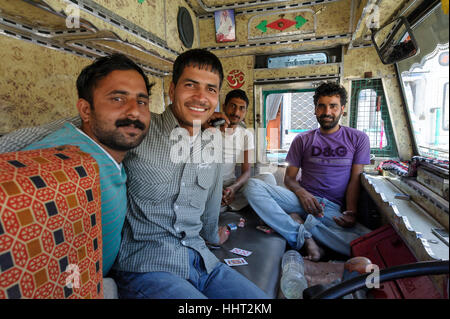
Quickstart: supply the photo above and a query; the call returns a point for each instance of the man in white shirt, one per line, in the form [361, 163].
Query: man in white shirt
[238, 148]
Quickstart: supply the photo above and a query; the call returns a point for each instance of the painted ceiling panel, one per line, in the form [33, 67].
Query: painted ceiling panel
[371, 13]
[202, 7]
[219, 3]
[316, 21]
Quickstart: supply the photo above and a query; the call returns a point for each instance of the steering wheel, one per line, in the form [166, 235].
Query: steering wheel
[391, 273]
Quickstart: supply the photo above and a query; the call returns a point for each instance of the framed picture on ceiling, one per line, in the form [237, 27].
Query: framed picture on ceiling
[225, 26]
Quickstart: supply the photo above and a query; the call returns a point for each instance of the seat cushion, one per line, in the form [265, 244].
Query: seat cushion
[50, 224]
[264, 264]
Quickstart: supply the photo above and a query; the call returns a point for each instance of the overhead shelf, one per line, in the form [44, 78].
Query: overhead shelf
[36, 21]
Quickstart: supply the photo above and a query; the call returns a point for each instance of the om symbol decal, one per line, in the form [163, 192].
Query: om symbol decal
[235, 79]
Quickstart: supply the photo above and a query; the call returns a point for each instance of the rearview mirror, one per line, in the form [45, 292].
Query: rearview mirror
[395, 41]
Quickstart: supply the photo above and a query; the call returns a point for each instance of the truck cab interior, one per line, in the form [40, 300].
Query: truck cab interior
[392, 56]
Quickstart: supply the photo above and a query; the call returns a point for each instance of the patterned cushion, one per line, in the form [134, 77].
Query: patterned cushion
[50, 224]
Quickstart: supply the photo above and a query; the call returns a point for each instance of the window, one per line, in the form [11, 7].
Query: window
[426, 90]
[296, 60]
[425, 81]
[369, 114]
[373, 125]
[286, 114]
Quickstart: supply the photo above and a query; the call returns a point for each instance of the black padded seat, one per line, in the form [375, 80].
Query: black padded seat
[264, 264]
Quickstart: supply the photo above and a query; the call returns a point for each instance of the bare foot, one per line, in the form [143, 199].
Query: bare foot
[296, 217]
[323, 272]
[224, 233]
[314, 252]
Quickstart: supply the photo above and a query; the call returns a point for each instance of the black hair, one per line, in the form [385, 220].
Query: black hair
[92, 74]
[330, 89]
[198, 58]
[238, 93]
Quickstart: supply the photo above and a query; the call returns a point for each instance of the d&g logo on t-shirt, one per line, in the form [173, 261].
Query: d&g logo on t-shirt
[340, 151]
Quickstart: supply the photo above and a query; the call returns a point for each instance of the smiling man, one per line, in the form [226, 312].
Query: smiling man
[174, 205]
[320, 205]
[238, 148]
[113, 105]
[238, 143]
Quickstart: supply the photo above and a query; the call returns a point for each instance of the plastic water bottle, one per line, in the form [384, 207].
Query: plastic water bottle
[293, 281]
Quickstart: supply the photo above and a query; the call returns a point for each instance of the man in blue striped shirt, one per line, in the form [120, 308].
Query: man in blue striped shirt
[114, 108]
[174, 199]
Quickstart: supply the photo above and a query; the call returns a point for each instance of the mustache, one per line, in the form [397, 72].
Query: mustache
[127, 122]
[326, 117]
[196, 103]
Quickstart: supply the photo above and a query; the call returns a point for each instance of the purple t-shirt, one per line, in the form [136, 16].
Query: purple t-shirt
[326, 160]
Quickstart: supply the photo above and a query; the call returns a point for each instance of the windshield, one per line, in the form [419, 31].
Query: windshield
[426, 90]
[425, 86]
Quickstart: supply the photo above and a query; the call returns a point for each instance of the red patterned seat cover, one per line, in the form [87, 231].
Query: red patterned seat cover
[50, 225]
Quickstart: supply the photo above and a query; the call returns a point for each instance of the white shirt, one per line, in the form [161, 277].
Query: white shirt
[234, 146]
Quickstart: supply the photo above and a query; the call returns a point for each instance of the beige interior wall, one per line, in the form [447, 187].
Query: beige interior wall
[316, 70]
[37, 84]
[149, 15]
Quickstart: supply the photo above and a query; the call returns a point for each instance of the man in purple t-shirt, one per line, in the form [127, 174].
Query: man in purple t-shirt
[323, 183]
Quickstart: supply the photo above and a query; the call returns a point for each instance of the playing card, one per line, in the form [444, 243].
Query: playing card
[241, 252]
[235, 262]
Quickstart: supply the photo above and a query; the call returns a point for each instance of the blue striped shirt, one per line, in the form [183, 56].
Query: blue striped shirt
[173, 207]
[112, 184]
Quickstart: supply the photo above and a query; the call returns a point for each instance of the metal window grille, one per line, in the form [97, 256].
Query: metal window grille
[299, 118]
[297, 114]
[369, 113]
[302, 112]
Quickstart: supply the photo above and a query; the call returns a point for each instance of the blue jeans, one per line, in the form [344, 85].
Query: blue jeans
[273, 204]
[222, 283]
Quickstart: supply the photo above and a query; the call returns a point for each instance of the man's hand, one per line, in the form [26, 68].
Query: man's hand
[224, 233]
[215, 116]
[228, 195]
[348, 219]
[309, 203]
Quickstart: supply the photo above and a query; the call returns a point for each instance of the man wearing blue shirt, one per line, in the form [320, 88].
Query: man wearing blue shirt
[114, 108]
